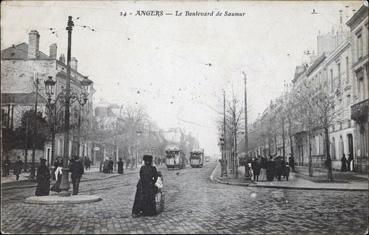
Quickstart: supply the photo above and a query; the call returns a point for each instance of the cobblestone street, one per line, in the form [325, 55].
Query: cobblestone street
[193, 204]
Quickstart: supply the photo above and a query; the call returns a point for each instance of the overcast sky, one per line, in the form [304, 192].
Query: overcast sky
[167, 58]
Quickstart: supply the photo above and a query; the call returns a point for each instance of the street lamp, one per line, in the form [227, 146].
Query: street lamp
[67, 98]
[138, 132]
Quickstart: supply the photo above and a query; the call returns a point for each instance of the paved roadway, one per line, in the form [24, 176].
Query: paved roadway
[193, 204]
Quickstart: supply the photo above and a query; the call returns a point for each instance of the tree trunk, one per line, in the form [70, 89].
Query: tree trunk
[310, 157]
[329, 160]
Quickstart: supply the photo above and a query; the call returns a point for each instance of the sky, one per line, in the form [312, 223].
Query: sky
[178, 66]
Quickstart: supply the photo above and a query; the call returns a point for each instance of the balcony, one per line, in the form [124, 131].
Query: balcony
[359, 111]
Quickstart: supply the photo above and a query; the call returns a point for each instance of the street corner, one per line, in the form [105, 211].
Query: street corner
[57, 199]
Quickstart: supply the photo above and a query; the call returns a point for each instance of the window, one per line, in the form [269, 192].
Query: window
[331, 75]
[339, 74]
[347, 70]
[359, 46]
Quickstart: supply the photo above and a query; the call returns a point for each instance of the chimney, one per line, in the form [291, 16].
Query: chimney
[33, 44]
[62, 58]
[73, 63]
[53, 51]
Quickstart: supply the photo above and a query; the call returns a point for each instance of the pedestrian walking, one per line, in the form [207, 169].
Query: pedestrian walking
[286, 172]
[256, 166]
[263, 166]
[43, 179]
[291, 163]
[76, 168]
[18, 165]
[270, 169]
[278, 168]
[6, 166]
[87, 163]
[120, 166]
[111, 165]
[144, 203]
[343, 163]
[58, 175]
[350, 164]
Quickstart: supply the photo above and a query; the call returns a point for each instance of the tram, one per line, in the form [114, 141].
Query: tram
[197, 158]
[175, 158]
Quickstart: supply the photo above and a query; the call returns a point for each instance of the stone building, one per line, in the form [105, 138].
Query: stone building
[24, 64]
[358, 24]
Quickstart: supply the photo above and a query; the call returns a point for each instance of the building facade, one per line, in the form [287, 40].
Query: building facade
[22, 66]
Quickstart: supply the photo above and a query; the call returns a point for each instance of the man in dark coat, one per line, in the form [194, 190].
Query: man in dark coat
[120, 166]
[145, 195]
[111, 165]
[43, 179]
[6, 166]
[76, 168]
[270, 169]
[18, 165]
[256, 167]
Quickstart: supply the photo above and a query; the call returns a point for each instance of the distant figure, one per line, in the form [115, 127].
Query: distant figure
[291, 163]
[286, 172]
[6, 166]
[256, 166]
[18, 165]
[144, 203]
[343, 163]
[127, 163]
[270, 169]
[106, 166]
[76, 168]
[43, 179]
[111, 165]
[120, 166]
[87, 163]
[350, 165]
[278, 168]
[263, 166]
[58, 175]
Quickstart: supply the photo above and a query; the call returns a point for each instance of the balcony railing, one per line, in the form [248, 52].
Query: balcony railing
[359, 111]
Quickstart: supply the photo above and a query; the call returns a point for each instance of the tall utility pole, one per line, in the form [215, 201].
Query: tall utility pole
[32, 176]
[64, 185]
[247, 175]
[246, 134]
[224, 134]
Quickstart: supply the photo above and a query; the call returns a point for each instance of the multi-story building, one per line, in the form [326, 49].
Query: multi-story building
[358, 24]
[22, 66]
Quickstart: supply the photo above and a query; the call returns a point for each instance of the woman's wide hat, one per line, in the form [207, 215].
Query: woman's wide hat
[147, 158]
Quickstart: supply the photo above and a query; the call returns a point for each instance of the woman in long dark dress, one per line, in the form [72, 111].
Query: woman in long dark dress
[145, 194]
[43, 179]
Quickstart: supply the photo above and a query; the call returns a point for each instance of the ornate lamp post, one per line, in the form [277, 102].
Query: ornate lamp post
[223, 160]
[67, 99]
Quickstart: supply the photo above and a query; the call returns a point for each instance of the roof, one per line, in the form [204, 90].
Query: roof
[21, 98]
[19, 52]
[316, 63]
[361, 14]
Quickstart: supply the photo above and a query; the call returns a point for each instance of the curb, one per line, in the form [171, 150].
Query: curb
[88, 180]
[214, 178]
[49, 200]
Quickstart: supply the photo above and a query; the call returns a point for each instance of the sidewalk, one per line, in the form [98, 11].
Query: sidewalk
[93, 174]
[296, 181]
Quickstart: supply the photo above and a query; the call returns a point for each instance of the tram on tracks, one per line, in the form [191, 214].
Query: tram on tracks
[175, 158]
[197, 158]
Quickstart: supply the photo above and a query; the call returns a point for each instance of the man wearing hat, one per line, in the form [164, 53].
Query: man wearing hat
[43, 179]
[145, 195]
[76, 169]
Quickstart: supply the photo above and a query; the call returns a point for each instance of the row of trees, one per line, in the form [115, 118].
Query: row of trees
[132, 132]
[303, 111]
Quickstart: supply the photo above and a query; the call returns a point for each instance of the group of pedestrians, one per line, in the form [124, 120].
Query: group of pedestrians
[17, 167]
[43, 176]
[263, 169]
[108, 166]
[347, 164]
